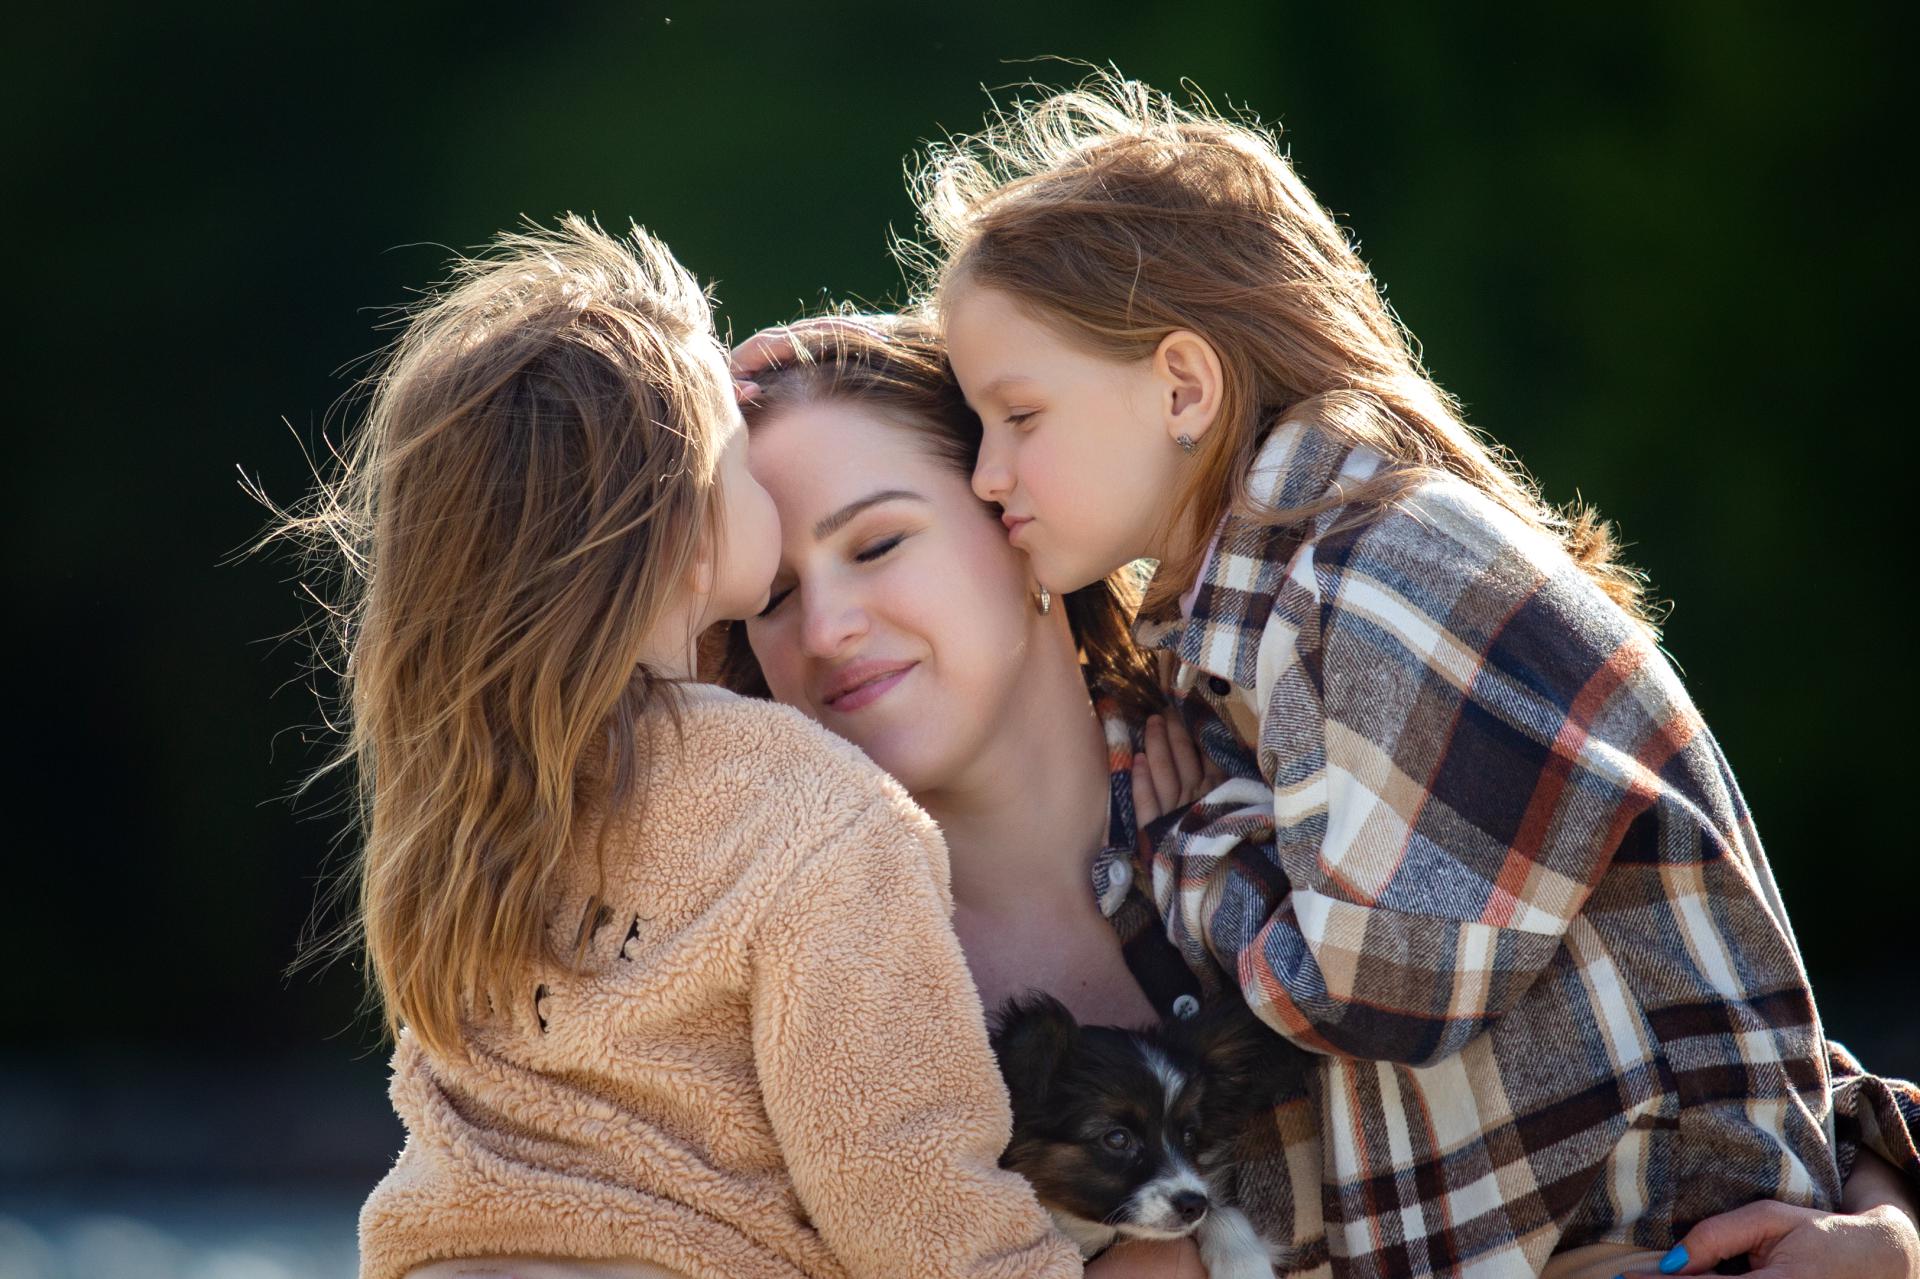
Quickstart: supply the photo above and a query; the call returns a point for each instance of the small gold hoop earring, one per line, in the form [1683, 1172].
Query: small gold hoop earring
[1046, 601]
[1186, 444]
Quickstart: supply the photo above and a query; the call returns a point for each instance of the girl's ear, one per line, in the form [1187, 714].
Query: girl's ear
[700, 576]
[703, 570]
[1191, 383]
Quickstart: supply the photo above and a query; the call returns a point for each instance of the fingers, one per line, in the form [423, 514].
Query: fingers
[1149, 1259]
[771, 348]
[743, 390]
[1754, 1228]
[1186, 760]
[1169, 773]
[1146, 805]
[1160, 765]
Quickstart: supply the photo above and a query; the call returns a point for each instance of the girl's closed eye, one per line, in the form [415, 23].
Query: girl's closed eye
[1020, 419]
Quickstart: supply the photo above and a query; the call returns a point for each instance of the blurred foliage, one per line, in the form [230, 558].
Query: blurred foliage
[1654, 249]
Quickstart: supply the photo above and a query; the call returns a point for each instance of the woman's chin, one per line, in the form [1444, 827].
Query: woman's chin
[906, 751]
[921, 736]
[907, 761]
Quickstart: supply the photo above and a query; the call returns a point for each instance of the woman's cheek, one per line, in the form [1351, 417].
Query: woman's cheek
[773, 650]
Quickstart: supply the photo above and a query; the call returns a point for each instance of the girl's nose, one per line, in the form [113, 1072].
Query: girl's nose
[992, 481]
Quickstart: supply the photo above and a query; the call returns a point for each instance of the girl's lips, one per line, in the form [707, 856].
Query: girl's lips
[1015, 525]
[870, 692]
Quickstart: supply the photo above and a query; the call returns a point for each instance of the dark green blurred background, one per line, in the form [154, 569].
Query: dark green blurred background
[1655, 250]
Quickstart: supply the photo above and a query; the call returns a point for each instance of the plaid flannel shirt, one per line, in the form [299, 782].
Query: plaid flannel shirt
[1279, 1181]
[1481, 853]
[1277, 1168]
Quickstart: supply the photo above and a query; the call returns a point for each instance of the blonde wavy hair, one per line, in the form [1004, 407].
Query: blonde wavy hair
[1117, 215]
[514, 514]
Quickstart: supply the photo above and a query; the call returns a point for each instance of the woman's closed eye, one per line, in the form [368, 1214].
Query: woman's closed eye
[874, 550]
[1019, 420]
[773, 602]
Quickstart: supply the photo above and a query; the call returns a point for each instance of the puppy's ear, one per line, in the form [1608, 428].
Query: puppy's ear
[1033, 1035]
[1247, 1063]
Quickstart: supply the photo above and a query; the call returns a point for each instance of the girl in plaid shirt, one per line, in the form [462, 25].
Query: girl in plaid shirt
[862, 414]
[1478, 849]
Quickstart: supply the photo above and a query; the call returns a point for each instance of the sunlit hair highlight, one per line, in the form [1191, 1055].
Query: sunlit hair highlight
[896, 366]
[1116, 215]
[516, 511]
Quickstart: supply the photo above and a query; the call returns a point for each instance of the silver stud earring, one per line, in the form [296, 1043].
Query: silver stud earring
[1046, 601]
[1185, 442]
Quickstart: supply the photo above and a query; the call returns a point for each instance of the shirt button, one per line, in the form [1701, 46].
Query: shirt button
[1185, 1007]
[1121, 875]
[1219, 686]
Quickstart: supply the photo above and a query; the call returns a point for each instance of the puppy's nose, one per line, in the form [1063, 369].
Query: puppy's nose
[1189, 1206]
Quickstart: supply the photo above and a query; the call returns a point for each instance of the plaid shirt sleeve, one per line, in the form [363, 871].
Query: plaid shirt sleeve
[1481, 853]
[1870, 1113]
[1453, 741]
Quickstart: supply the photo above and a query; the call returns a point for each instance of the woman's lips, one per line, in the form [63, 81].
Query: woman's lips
[1015, 523]
[869, 691]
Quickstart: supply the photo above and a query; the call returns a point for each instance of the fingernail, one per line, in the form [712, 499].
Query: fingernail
[1674, 1260]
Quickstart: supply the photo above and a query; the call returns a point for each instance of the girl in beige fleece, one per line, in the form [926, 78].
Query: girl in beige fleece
[670, 970]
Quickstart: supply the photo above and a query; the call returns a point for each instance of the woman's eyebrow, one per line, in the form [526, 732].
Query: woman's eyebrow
[832, 524]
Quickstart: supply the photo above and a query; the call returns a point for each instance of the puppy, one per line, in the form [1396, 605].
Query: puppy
[1131, 1133]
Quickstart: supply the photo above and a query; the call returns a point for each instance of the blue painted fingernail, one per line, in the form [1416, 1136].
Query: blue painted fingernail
[1674, 1260]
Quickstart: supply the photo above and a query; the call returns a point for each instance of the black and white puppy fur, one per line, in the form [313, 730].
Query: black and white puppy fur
[1130, 1134]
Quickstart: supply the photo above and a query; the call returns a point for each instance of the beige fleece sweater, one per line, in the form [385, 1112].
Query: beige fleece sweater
[772, 1063]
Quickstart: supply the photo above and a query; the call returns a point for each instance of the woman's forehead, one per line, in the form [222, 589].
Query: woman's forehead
[828, 441]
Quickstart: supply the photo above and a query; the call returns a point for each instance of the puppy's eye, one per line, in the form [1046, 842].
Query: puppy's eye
[1118, 1140]
[1190, 1136]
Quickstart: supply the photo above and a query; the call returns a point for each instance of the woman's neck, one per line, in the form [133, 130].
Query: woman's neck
[1024, 821]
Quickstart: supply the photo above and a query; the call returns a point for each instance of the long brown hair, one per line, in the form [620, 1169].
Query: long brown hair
[897, 366]
[517, 507]
[1118, 216]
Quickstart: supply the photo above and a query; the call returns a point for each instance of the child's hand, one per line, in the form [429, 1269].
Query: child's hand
[1785, 1242]
[1139, 1259]
[1169, 774]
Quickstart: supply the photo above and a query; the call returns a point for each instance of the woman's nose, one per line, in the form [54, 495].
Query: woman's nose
[830, 624]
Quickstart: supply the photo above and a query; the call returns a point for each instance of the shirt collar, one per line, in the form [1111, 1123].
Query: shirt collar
[1113, 867]
[1219, 631]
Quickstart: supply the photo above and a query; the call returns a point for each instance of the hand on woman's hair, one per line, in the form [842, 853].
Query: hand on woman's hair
[773, 347]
